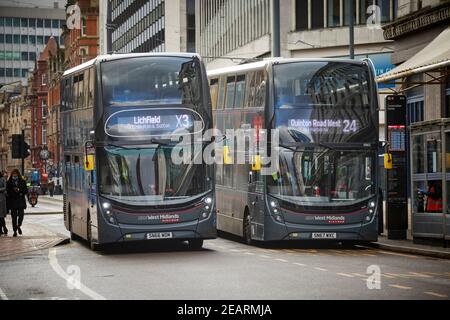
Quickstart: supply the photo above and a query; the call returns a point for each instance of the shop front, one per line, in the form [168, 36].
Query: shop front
[430, 182]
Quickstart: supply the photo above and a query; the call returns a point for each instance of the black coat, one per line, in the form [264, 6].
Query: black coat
[16, 199]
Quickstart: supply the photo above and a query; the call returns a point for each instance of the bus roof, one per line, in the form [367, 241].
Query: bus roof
[262, 64]
[117, 56]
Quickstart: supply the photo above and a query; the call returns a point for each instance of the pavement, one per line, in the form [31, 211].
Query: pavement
[35, 237]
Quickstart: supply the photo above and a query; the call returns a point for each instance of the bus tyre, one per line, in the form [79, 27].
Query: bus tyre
[247, 229]
[195, 244]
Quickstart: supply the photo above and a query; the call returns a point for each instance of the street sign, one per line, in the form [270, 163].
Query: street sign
[397, 212]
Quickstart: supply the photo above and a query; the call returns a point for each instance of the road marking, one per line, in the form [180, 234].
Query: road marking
[345, 275]
[299, 264]
[281, 260]
[360, 275]
[388, 276]
[3, 296]
[264, 256]
[320, 269]
[53, 261]
[399, 254]
[400, 287]
[421, 275]
[439, 295]
[249, 253]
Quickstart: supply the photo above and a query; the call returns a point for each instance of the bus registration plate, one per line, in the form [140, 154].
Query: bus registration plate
[324, 235]
[159, 235]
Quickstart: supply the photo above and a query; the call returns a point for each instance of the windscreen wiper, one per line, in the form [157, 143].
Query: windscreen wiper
[304, 145]
[119, 147]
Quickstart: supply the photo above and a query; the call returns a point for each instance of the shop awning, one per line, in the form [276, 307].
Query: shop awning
[434, 56]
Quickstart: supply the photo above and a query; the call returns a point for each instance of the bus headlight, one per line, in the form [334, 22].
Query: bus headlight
[372, 204]
[208, 206]
[106, 205]
[275, 210]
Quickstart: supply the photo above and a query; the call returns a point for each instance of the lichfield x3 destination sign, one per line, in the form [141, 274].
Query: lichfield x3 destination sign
[152, 122]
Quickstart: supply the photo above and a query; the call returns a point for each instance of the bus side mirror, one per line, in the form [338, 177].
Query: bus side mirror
[89, 162]
[388, 161]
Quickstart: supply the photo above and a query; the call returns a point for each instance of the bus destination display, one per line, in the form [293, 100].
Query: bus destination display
[150, 122]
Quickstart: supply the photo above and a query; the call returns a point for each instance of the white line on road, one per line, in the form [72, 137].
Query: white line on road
[299, 264]
[281, 260]
[69, 279]
[345, 275]
[3, 296]
[320, 269]
[434, 294]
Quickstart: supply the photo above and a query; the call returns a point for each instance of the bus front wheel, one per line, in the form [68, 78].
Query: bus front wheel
[195, 244]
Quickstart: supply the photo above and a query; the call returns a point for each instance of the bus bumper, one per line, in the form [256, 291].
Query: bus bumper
[275, 231]
[204, 229]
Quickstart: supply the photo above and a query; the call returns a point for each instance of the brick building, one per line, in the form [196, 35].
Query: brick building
[55, 67]
[82, 44]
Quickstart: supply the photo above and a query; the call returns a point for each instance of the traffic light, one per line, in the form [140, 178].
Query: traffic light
[19, 148]
[16, 145]
[25, 150]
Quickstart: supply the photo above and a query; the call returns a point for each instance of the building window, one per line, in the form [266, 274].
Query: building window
[24, 73]
[16, 73]
[32, 56]
[17, 39]
[32, 23]
[16, 22]
[48, 23]
[415, 107]
[334, 13]
[24, 22]
[44, 135]
[83, 26]
[44, 109]
[8, 38]
[32, 39]
[317, 10]
[39, 23]
[55, 24]
[8, 22]
[44, 79]
[190, 21]
[24, 39]
[301, 14]
[24, 56]
[347, 12]
[40, 40]
[2, 38]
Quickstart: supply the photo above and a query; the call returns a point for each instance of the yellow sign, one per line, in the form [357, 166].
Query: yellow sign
[388, 161]
[226, 156]
[89, 162]
[256, 165]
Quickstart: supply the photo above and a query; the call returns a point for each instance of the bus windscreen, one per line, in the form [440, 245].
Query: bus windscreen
[323, 102]
[151, 81]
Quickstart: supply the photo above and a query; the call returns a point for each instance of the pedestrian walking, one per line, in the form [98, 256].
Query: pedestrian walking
[3, 204]
[51, 187]
[16, 188]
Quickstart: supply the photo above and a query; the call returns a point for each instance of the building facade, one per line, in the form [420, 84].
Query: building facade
[55, 69]
[420, 36]
[152, 26]
[39, 107]
[82, 44]
[24, 30]
[19, 120]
